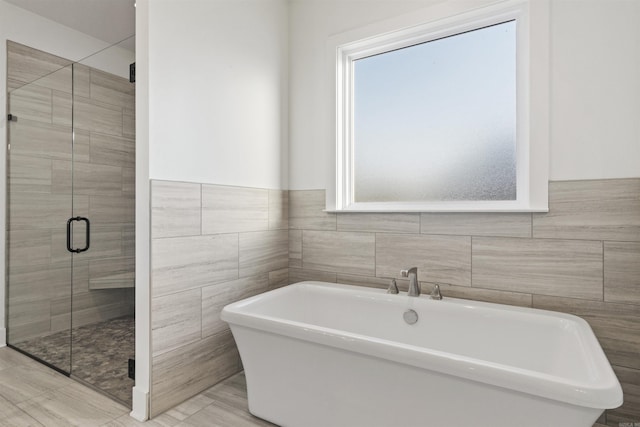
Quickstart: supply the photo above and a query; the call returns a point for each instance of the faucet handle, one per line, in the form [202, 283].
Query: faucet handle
[393, 287]
[435, 294]
[407, 271]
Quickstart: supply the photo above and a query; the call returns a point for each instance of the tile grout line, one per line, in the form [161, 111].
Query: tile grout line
[603, 299]
[471, 262]
[269, 213]
[375, 255]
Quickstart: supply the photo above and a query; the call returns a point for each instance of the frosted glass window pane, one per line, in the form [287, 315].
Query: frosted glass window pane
[437, 121]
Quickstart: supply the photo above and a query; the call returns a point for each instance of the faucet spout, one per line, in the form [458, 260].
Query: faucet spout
[414, 285]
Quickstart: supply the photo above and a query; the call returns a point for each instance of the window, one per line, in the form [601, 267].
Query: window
[437, 117]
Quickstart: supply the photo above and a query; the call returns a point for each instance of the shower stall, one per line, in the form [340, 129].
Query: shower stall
[70, 216]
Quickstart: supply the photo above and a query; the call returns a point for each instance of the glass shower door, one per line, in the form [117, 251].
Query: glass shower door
[39, 205]
[102, 338]
[70, 217]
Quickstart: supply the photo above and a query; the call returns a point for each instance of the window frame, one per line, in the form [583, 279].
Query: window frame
[532, 100]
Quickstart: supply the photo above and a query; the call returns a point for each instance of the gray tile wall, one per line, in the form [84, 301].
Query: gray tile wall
[40, 193]
[582, 257]
[211, 245]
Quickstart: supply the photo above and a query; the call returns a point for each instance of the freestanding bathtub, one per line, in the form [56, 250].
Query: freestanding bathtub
[327, 355]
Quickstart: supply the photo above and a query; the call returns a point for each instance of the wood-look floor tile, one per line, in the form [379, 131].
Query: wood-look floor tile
[12, 416]
[10, 358]
[74, 405]
[22, 383]
[221, 415]
[232, 391]
[189, 407]
[163, 420]
[230, 396]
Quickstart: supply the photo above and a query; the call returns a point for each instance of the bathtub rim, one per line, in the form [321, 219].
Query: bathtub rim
[605, 394]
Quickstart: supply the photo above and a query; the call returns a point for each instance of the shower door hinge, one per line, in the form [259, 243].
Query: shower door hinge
[132, 72]
[132, 369]
[12, 118]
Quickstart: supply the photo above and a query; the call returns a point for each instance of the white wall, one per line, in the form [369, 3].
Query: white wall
[24, 27]
[211, 106]
[218, 91]
[595, 89]
[595, 85]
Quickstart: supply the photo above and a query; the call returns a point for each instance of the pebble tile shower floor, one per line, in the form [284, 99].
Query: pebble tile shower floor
[100, 354]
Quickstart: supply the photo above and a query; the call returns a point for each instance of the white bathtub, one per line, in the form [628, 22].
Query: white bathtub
[327, 355]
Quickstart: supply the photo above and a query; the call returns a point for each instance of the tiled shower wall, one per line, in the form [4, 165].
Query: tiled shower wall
[40, 198]
[583, 257]
[211, 245]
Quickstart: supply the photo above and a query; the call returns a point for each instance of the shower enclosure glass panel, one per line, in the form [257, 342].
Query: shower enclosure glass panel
[71, 174]
[103, 187]
[39, 204]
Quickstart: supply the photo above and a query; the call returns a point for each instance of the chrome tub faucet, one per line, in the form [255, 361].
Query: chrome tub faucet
[414, 285]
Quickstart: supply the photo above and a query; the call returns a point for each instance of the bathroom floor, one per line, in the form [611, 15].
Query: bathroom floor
[100, 354]
[35, 396]
[32, 395]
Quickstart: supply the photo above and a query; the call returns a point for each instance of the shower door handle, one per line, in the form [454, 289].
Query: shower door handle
[87, 234]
